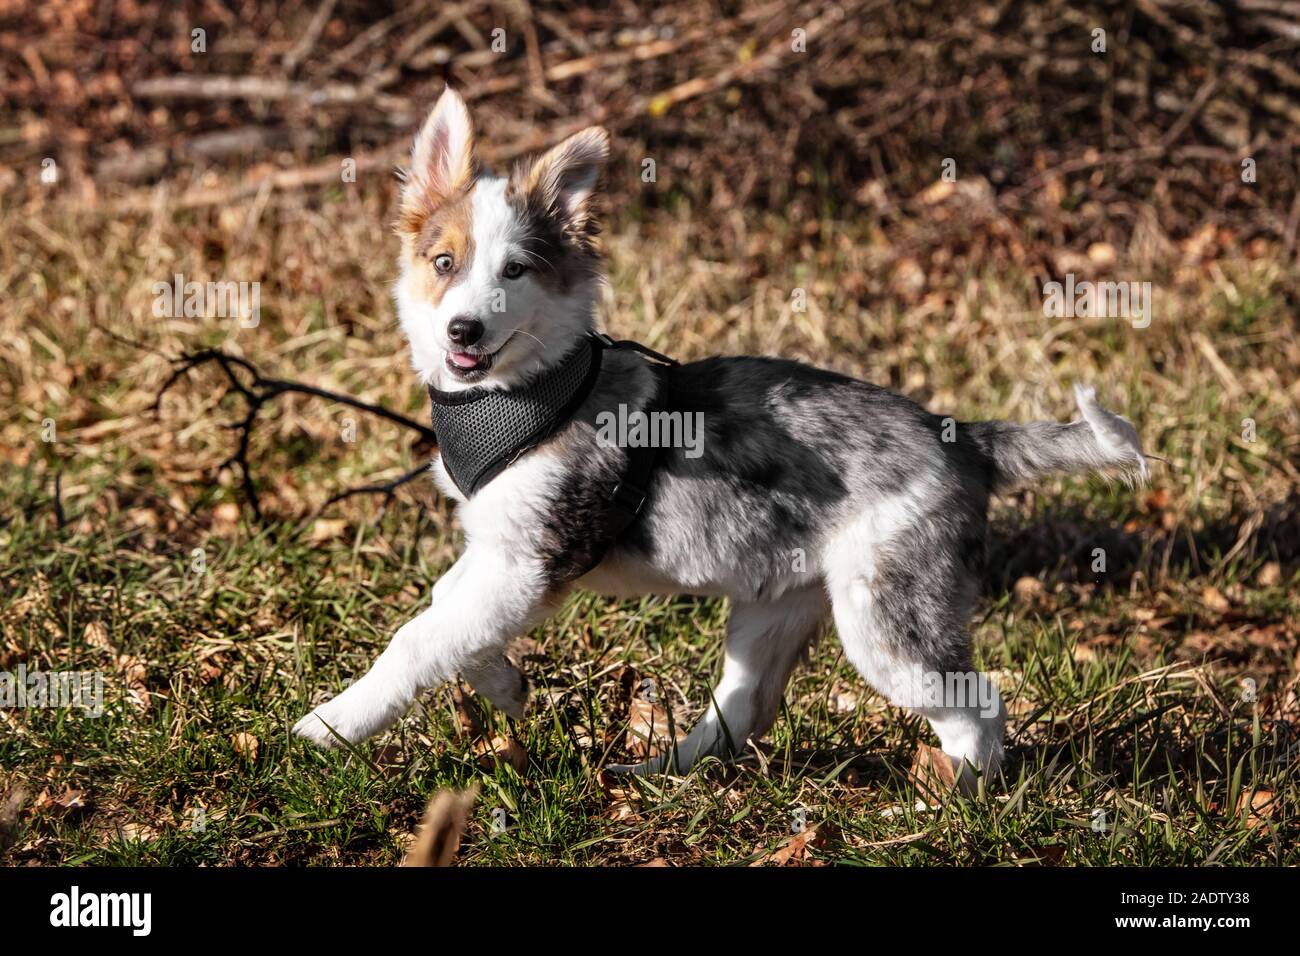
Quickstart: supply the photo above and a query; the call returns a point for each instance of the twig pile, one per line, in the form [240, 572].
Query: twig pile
[784, 105]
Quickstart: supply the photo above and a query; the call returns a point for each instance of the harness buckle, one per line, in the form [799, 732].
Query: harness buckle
[628, 497]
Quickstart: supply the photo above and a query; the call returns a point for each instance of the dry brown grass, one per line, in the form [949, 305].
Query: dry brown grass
[1222, 347]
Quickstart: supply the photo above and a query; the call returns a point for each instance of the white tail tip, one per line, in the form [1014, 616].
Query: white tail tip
[1116, 437]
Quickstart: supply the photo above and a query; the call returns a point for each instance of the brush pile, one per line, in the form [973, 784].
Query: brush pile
[1153, 127]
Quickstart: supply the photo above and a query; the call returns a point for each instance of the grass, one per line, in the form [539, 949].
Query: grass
[1125, 687]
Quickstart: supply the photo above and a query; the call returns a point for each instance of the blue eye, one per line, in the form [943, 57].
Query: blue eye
[514, 270]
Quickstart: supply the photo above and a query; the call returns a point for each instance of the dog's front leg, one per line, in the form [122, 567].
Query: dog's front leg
[486, 599]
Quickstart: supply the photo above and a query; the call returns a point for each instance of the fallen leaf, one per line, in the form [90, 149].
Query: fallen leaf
[444, 823]
[245, 745]
[1102, 254]
[136, 675]
[465, 713]
[621, 806]
[72, 799]
[1157, 500]
[1027, 589]
[795, 849]
[647, 731]
[1270, 575]
[506, 750]
[933, 772]
[843, 699]
[225, 517]
[96, 635]
[131, 832]
[1051, 855]
[10, 808]
[326, 529]
[1213, 598]
[937, 191]
[1258, 807]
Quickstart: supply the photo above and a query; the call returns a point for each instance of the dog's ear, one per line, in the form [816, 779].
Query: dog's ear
[563, 182]
[442, 161]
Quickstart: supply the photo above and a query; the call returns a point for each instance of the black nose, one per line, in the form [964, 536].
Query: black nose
[464, 331]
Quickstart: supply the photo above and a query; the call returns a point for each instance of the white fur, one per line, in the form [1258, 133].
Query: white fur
[1117, 438]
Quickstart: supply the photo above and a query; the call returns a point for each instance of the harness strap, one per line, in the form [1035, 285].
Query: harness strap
[628, 496]
[482, 432]
[629, 344]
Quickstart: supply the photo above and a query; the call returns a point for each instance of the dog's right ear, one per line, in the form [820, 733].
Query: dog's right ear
[442, 162]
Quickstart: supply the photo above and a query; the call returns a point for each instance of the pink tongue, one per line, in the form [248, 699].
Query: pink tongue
[464, 359]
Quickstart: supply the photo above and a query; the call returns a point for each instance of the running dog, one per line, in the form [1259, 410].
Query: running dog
[811, 496]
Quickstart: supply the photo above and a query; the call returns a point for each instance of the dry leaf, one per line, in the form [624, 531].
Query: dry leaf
[507, 750]
[326, 529]
[1158, 500]
[937, 191]
[96, 635]
[647, 731]
[70, 800]
[1027, 589]
[225, 517]
[1102, 254]
[796, 849]
[620, 807]
[843, 699]
[1257, 806]
[245, 745]
[1213, 598]
[465, 714]
[136, 674]
[444, 822]
[10, 808]
[933, 772]
[1084, 654]
[1270, 575]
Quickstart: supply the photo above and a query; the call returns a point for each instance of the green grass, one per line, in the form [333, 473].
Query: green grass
[1162, 745]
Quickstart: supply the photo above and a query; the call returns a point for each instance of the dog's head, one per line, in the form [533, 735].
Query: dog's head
[498, 277]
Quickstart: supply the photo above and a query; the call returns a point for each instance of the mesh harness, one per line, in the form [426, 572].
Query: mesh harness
[481, 432]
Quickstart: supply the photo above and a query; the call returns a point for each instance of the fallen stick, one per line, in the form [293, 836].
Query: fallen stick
[217, 86]
[258, 392]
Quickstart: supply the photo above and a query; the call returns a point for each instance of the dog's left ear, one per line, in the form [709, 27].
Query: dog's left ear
[563, 182]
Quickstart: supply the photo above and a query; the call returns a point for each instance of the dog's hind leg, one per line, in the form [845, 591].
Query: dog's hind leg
[903, 623]
[764, 641]
[502, 683]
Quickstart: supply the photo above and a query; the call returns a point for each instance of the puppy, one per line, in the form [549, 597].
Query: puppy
[811, 496]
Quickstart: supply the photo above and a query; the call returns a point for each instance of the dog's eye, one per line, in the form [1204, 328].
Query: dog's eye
[443, 263]
[514, 270]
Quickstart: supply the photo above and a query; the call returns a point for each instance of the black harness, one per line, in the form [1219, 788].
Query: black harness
[481, 431]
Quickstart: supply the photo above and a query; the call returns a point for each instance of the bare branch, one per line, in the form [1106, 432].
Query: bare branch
[257, 392]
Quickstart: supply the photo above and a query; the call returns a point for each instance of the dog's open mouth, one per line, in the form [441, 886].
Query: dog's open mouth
[470, 366]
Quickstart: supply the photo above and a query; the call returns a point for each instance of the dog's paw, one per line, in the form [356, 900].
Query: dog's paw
[503, 684]
[649, 768]
[313, 727]
[353, 715]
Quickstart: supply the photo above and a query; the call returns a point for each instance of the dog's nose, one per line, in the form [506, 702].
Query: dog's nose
[463, 330]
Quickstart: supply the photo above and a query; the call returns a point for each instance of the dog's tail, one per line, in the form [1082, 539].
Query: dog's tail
[1100, 441]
